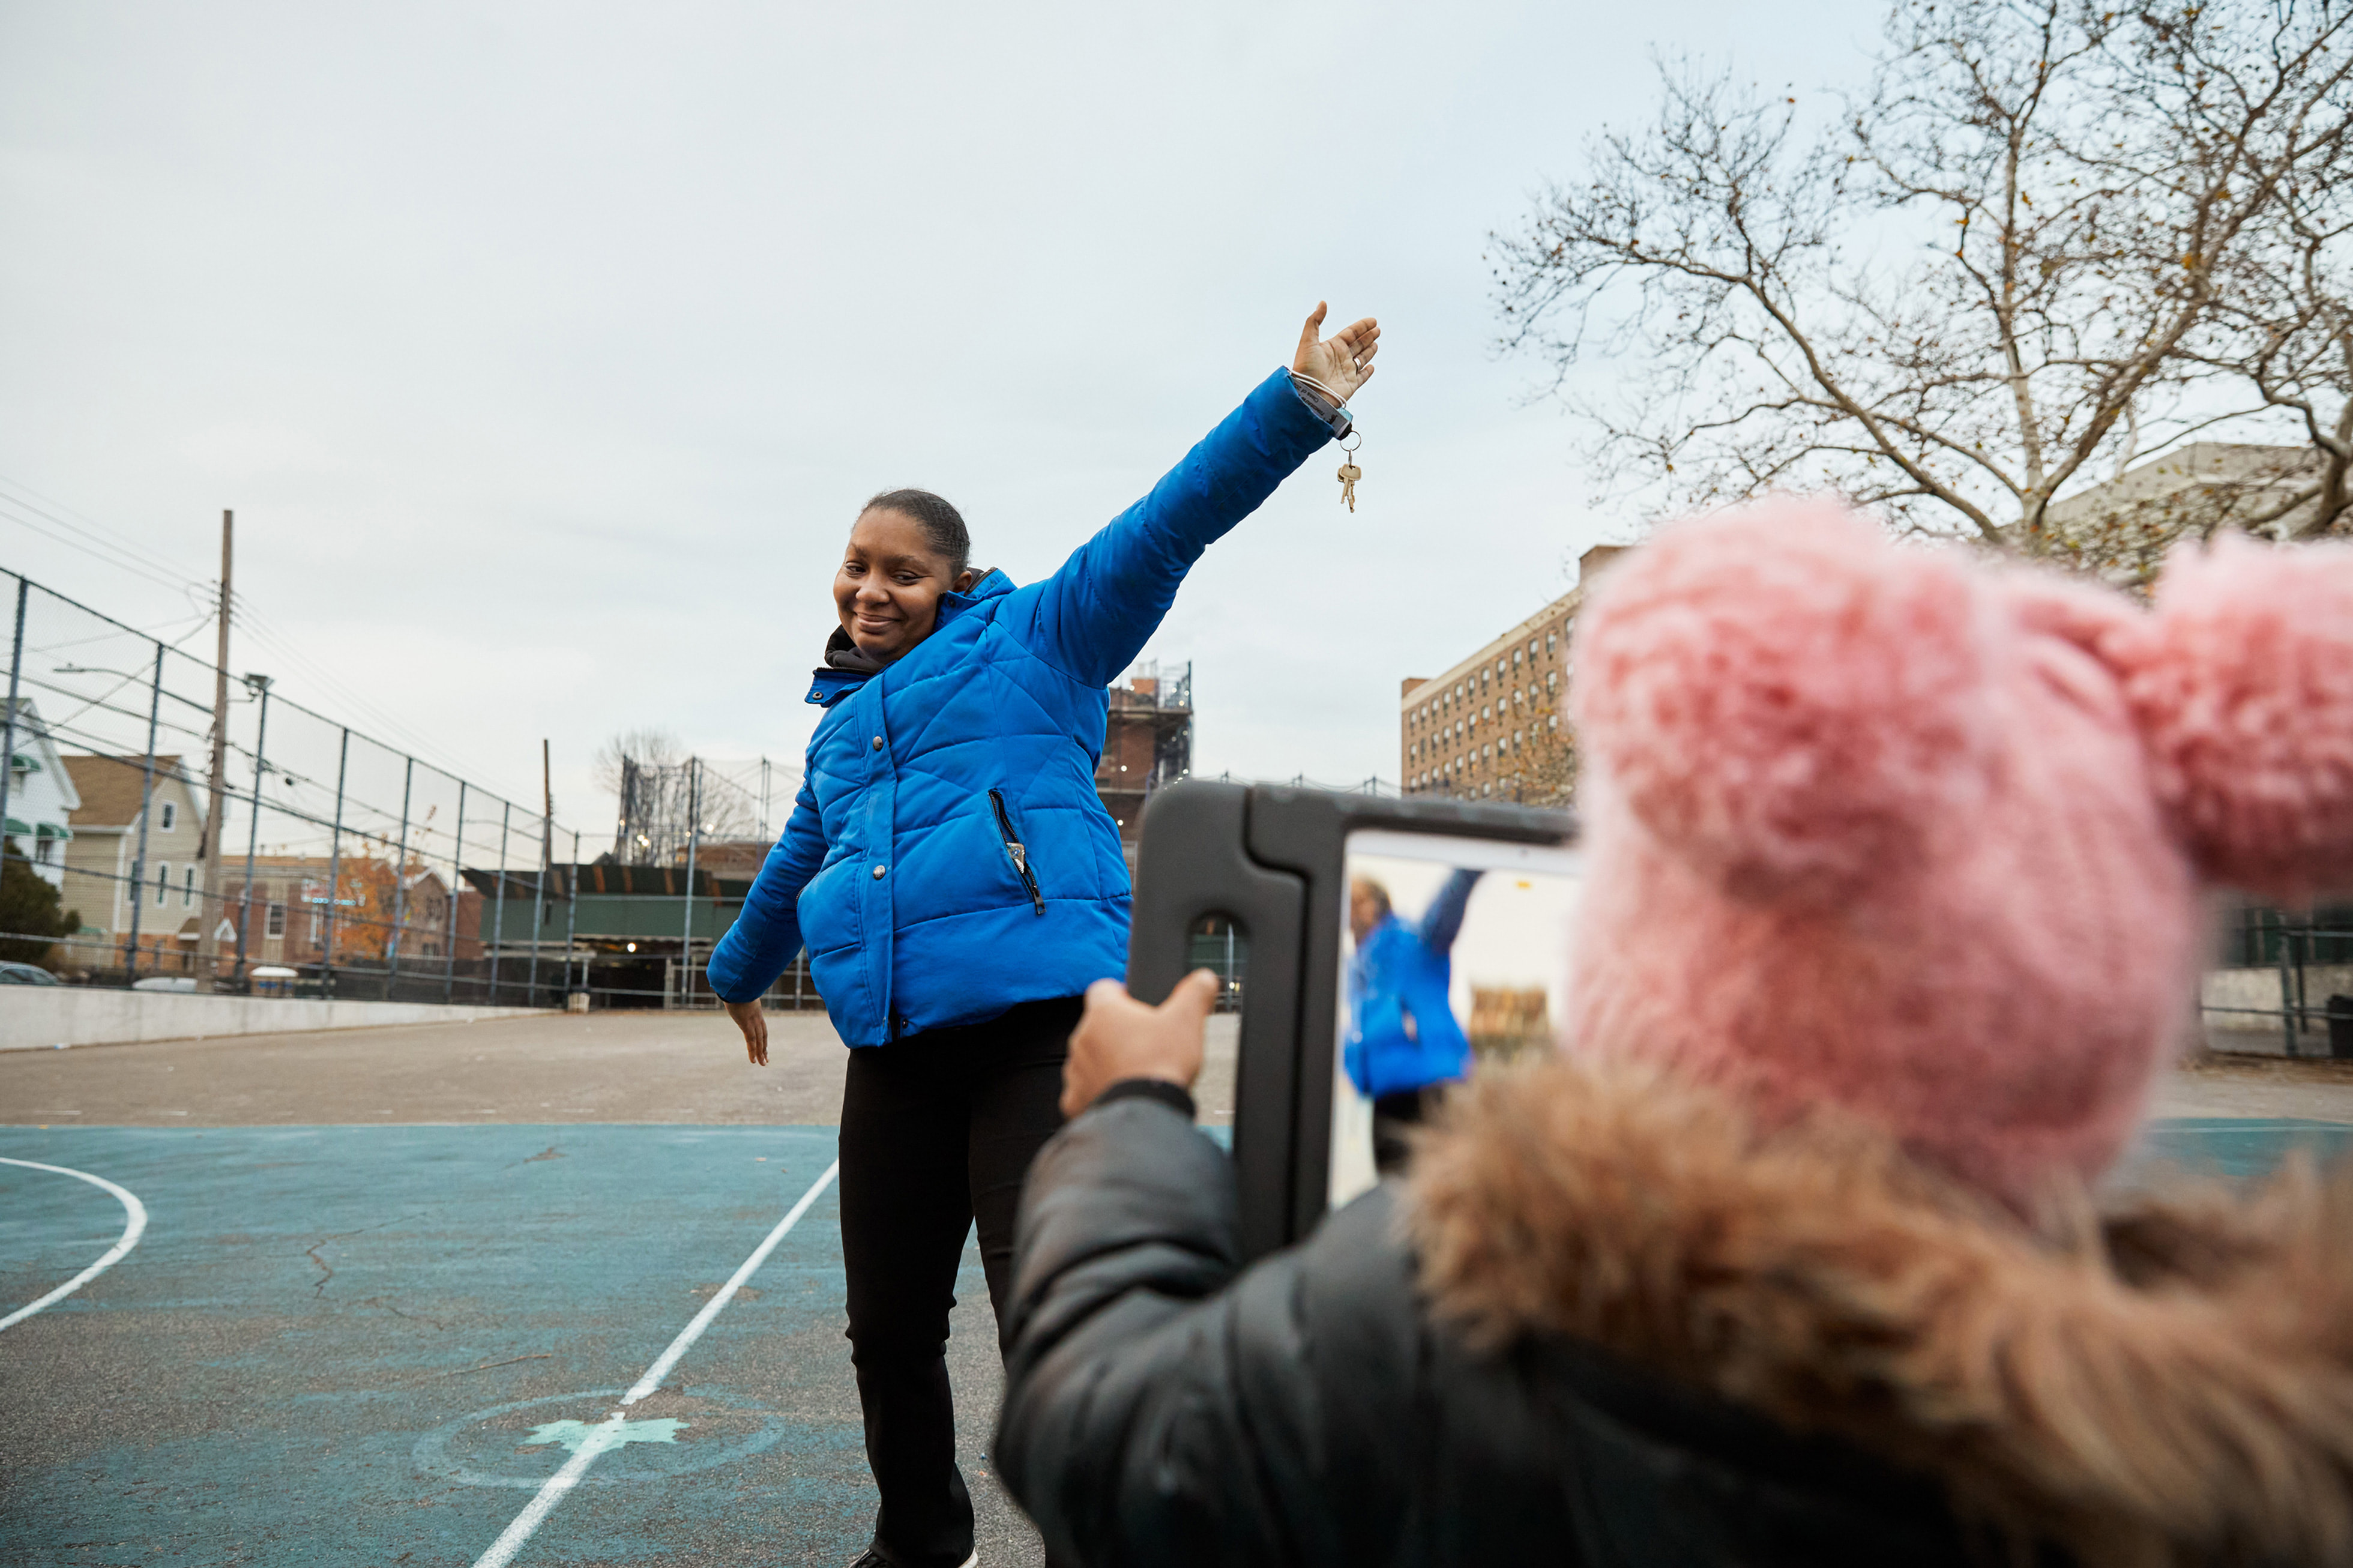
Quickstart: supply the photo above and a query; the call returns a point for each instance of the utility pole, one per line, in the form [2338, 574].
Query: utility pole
[208, 911]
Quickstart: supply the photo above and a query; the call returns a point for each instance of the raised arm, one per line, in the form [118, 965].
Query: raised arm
[1442, 921]
[1092, 617]
[768, 931]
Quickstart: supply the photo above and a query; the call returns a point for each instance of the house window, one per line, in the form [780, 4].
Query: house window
[44, 851]
[171, 815]
[188, 888]
[162, 882]
[274, 923]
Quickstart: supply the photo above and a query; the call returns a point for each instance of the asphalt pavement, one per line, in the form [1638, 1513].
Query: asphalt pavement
[393, 1280]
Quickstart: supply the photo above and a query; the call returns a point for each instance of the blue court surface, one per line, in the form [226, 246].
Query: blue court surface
[374, 1345]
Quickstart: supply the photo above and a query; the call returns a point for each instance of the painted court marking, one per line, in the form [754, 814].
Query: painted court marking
[608, 1433]
[114, 1255]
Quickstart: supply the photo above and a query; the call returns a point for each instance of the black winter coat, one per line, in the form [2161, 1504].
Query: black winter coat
[1460, 1372]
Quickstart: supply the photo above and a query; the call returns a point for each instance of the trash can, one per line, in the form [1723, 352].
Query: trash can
[2341, 1026]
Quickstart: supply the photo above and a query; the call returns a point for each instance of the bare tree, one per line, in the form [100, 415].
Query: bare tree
[2001, 275]
[2284, 312]
[661, 794]
[1548, 762]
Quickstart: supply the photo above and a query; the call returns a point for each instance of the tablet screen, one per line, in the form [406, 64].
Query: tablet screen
[1454, 954]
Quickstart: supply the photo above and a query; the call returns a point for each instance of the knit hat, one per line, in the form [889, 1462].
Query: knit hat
[1894, 830]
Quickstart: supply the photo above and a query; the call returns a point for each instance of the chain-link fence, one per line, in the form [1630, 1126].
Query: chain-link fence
[2282, 983]
[329, 862]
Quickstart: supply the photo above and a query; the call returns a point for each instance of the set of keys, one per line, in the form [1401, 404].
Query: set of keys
[1349, 471]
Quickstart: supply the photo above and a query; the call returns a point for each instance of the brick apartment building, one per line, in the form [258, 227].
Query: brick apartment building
[1491, 726]
[1147, 742]
[290, 914]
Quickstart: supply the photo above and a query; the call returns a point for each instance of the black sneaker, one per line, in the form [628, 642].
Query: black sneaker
[875, 1556]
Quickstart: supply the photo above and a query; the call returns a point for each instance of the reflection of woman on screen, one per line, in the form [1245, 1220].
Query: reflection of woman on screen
[1403, 1039]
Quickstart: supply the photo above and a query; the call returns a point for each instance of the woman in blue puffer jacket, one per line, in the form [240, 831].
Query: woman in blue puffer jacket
[958, 884]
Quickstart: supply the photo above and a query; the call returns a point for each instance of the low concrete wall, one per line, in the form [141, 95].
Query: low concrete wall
[39, 1017]
[2226, 992]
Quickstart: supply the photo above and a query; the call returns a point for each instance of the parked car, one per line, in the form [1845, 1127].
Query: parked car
[166, 982]
[26, 974]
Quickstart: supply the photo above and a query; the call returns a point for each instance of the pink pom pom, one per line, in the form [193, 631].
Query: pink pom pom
[1787, 700]
[2242, 687]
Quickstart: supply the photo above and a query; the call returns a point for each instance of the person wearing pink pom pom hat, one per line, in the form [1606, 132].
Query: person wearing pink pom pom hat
[1798, 1250]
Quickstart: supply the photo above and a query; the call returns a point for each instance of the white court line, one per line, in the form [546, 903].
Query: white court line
[114, 1255]
[600, 1438]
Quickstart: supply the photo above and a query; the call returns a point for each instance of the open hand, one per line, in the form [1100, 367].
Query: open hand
[754, 1025]
[1343, 361]
[1120, 1037]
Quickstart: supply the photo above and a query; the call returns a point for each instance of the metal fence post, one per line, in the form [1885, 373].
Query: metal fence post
[335, 865]
[2287, 994]
[457, 891]
[400, 882]
[499, 906]
[253, 831]
[693, 842]
[146, 800]
[8, 748]
[571, 912]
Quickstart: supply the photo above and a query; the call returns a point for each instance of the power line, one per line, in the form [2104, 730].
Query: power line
[64, 516]
[140, 561]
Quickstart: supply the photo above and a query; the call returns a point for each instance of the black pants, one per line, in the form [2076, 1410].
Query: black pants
[937, 1131]
[1393, 1114]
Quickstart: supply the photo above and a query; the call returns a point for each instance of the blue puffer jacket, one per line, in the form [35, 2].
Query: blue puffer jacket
[948, 856]
[1405, 972]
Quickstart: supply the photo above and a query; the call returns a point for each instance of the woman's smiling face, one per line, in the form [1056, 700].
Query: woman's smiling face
[888, 589]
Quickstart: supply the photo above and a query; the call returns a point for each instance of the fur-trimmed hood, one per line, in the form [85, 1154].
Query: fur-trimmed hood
[2171, 1381]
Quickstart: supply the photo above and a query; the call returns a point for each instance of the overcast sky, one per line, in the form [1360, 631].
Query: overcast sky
[546, 351]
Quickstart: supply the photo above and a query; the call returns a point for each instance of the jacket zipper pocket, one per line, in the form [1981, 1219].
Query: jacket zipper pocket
[1013, 848]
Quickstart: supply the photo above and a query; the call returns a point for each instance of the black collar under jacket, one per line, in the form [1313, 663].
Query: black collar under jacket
[845, 666]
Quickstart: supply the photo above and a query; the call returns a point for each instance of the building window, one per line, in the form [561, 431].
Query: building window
[171, 815]
[1550, 638]
[1516, 657]
[162, 882]
[188, 888]
[44, 851]
[274, 923]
